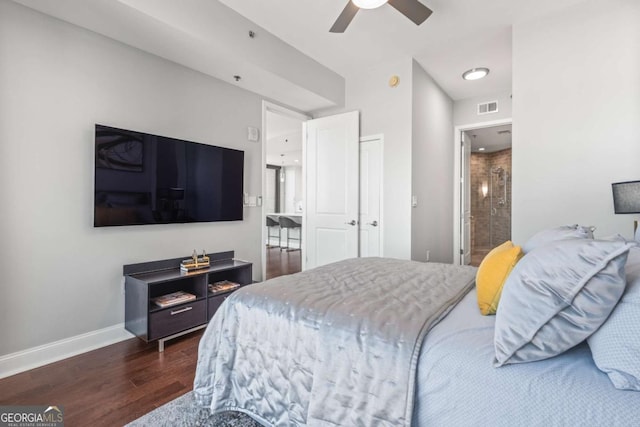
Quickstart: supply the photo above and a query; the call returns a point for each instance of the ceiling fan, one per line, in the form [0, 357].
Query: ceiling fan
[412, 9]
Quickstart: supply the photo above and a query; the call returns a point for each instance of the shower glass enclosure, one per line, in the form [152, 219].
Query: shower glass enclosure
[500, 206]
[490, 201]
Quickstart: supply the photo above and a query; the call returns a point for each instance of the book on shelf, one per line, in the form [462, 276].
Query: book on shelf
[173, 298]
[223, 286]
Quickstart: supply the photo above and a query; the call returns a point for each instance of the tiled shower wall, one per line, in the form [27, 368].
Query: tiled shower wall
[483, 223]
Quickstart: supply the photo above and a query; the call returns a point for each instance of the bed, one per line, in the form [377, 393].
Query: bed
[458, 386]
[383, 342]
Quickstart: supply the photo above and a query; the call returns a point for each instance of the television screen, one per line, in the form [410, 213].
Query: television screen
[149, 179]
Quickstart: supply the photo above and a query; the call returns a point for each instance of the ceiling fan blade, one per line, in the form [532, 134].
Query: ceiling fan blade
[345, 18]
[412, 9]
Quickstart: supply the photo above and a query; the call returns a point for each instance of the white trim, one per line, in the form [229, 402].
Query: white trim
[370, 138]
[303, 229]
[35, 357]
[456, 177]
[283, 111]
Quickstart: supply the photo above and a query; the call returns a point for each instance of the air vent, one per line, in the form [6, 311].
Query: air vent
[488, 107]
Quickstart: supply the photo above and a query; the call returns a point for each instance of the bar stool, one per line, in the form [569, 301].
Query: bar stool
[272, 223]
[288, 223]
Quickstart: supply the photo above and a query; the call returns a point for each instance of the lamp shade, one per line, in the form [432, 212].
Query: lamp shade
[626, 197]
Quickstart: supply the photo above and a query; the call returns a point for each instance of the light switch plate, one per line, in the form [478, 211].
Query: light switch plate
[253, 134]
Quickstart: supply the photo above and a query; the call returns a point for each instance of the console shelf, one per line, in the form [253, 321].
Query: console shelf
[148, 280]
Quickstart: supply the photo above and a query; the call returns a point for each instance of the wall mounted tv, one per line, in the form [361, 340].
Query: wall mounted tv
[149, 179]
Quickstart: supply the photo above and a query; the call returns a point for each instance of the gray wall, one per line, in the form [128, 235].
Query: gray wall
[465, 111]
[416, 119]
[386, 110]
[60, 276]
[576, 110]
[431, 169]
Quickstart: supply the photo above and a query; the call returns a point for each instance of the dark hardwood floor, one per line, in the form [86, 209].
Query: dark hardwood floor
[281, 262]
[110, 386]
[114, 385]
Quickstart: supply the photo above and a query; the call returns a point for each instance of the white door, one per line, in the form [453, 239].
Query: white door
[331, 189]
[371, 197]
[465, 201]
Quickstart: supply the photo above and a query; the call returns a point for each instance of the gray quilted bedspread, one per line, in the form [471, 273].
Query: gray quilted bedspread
[336, 345]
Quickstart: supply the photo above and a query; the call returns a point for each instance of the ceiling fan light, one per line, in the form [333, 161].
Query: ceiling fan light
[475, 73]
[369, 4]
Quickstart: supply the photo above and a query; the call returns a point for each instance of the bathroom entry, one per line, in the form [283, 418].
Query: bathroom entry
[489, 189]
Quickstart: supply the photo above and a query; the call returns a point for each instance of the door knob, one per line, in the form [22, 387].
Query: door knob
[352, 222]
[373, 224]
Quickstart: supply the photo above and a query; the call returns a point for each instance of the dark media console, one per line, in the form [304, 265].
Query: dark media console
[148, 280]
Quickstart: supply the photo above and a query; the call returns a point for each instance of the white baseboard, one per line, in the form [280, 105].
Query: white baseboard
[24, 360]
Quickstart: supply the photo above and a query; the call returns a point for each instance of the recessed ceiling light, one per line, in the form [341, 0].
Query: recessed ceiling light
[296, 160]
[481, 149]
[475, 73]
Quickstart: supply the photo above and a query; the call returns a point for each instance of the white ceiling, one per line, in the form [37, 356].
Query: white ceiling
[284, 140]
[492, 139]
[206, 36]
[459, 35]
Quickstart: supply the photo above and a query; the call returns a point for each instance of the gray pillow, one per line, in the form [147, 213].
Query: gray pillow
[556, 296]
[616, 345]
[557, 233]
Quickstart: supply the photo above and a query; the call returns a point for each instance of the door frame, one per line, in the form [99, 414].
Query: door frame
[457, 206]
[278, 170]
[380, 138]
[270, 107]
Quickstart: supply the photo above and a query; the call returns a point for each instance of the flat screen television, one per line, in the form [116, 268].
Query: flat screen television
[142, 178]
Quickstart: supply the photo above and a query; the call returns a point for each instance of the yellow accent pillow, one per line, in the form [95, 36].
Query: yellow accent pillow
[493, 272]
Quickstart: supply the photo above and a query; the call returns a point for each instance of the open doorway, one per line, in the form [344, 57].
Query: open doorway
[327, 213]
[283, 191]
[482, 189]
[490, 189]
